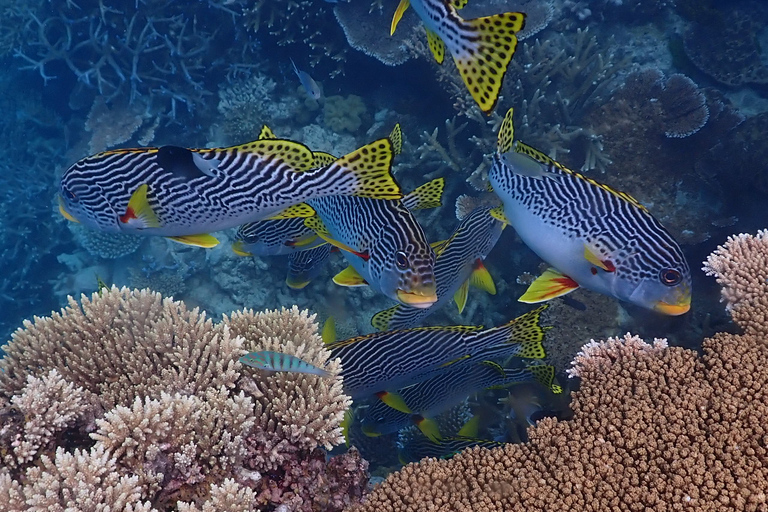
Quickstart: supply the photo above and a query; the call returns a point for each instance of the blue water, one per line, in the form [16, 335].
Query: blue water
[79, 80]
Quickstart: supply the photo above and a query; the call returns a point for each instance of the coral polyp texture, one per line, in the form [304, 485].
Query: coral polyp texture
[654, 427]
[130, 401]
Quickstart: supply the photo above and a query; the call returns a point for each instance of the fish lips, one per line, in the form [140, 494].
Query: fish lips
[416, 300]
[672, 309]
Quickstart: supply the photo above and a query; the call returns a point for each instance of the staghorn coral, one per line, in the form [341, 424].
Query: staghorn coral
[173, 415]
[654, 427]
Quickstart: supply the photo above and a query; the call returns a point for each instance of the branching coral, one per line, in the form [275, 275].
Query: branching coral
[654, 427]
[173, 414]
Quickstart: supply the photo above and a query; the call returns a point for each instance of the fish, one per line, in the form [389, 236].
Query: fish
[458, 263]
[592, 235]
[309, 85]
[304, 266]
[419, 447]
[184, 194]
[374, 363]
[275, 237]
[419, 403]
[482, 48]
[271, 361]
[383, 242]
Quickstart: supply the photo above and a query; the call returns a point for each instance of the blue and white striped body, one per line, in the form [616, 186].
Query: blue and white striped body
[275, 237]
[271, 361]
[304, 266]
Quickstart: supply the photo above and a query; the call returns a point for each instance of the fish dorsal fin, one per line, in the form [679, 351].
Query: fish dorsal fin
[328, 334]
[506, 136]
[544, 374]
[349, 277]
[498, 214]
[381, 320]
[429, 195]
[491, 42]
[481, 278]
[299, 210]
[266, 133]
[296, 155]
[372, 166]
[537, 155]
[470, 428]
[138, 212]
[321, 159]
[202, 240]
[401, 8]
[436, 45]
[459, 4]
[460, 329]
[460, 297]
[547, 286]
[396, 137]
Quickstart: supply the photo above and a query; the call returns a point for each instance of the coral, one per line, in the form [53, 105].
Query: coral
[342, 114]
[105, 245]
[654, 427]
[173, 415]
[116, 125]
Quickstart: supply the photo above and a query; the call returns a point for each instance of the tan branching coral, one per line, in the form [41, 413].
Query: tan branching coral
[654, 427]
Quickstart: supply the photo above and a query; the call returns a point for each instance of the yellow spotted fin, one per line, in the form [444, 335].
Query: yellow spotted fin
[266, 133]
[547, 286]
[544, 374]
[429, 195]
[401, 8]
[437, 47]
[203, 240]
[328, 334]
[395, 401]
[372, 165]
[380, 320]
[396, 137]
[349, 277]
[321, 159]
[298, 156]
[296, 210]
[138, 212]
[498, 214]
[506, 136]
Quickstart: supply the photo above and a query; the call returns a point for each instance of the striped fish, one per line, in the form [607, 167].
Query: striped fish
[185, 193]
[425, 400]
[481, 48]
[275, 237]
[377, 362]
[458, 262]
[304, 266]
[270, 361]
[592, 235]
[417, 448]
[381, 239]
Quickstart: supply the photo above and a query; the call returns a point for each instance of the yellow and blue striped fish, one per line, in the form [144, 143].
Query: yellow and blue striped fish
[481, 48]
[458, 262]
[186, 193]
[592, 235]
[374, 363]
[271, 361]
[304, 266]
[428, 398]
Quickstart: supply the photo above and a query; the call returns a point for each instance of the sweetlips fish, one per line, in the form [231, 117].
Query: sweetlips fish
[592, 235]
[272, 361]
[481, 48]
[419, 403]
[458, 263]
[185, 193]
[304, 266]
[275, 237]
[382, 361]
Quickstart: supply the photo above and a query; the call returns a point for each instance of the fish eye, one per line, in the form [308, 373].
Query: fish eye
[670, 277]
[401, 260]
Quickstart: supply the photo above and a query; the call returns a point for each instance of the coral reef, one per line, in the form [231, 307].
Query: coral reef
[653, 426]
[342, 114]
[147, 397]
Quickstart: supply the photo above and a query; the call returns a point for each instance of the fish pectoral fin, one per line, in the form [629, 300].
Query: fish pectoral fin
[396, 138]
[470, 428]
[381, 320]
[460, 297]
[202, 240]
[592, 258]
[395, 401]
[401, 8]
[494, 366]
[547, 286]
[349, 277]
[482, 59]
[266, 133]
[64, 213]
[436, 45]
[429, 195]
[498, 214]
[481, 278]
[237, 248]
[139, 213]
[428, 427]
[303, 240]
[294, 283]
[328, 334]
[299, 210]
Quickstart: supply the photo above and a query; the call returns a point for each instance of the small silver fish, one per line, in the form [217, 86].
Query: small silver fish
[310, 86]
[280, 362]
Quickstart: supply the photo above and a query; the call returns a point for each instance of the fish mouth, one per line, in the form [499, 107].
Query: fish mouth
[673, 309]
[64, 213]
[237, 248]
[416, 300]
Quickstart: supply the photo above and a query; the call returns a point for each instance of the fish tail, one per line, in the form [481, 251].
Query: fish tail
[370, 170]
[526, 331]
[483, 51]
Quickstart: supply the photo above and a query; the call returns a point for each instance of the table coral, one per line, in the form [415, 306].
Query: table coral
[654, 427]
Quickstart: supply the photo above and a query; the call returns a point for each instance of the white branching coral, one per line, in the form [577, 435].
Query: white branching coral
[597, 355]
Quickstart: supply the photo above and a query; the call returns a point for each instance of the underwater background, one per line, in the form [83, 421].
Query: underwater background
[665, 100]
